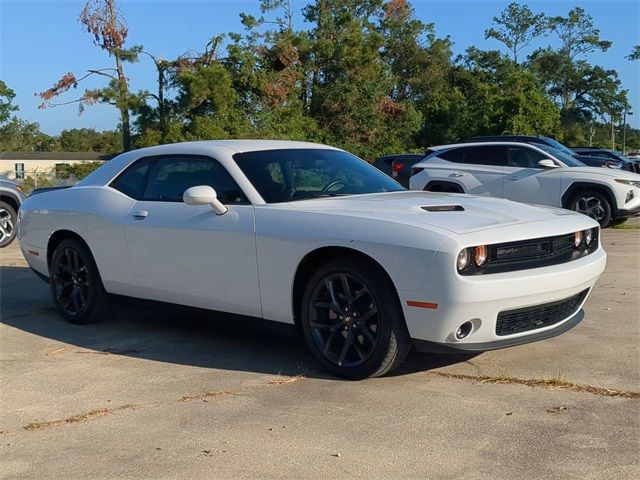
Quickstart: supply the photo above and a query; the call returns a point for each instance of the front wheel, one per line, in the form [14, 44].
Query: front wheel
[593, 204]
[352, 320]
[75, 284]
[7, 224]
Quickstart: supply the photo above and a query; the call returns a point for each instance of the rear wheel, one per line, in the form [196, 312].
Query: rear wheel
[75, 284]
[352, 320]
[7, 224]
[594, 204]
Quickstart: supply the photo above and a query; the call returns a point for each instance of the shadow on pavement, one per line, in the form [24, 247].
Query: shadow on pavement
[169, 333]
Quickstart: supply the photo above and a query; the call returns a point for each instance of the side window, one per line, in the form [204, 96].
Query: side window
[479, 155]
[454, 155]
[523, 157]
[171, 176]
[133, 180]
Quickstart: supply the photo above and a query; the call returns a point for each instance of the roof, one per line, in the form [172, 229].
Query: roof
[87, 156]
[237, 146]
[479, 144]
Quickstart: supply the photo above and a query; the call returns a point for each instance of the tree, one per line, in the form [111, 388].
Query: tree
[635, 53]
[576, 86]
[23, 136]
[516, 27]
[6, 106]
[88, 140]
[577, 34]
[103, 20]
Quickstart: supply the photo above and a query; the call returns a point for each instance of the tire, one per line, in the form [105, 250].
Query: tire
[368, 322]
[594, 204]
[8, 224]
[75, 284]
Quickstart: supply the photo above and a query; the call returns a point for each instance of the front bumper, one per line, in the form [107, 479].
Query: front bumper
[453, 300]
[628, 212]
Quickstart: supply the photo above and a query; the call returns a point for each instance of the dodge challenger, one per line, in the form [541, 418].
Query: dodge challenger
[314, 237]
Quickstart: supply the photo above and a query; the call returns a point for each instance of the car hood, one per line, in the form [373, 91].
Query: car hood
[456, 213]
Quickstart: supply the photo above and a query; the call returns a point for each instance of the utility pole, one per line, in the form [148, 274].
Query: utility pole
[613, 135]
[624, 131]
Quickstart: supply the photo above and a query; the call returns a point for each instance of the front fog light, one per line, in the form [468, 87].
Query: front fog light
[463, 259]
[577, 239]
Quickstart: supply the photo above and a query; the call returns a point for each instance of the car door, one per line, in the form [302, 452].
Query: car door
[187, 254]
[479, 169]
[526, 182]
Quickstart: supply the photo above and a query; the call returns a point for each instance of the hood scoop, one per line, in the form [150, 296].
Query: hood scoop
[443, 208]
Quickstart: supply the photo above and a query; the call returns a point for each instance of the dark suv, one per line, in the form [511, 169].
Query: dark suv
[588, 160]
[628, 164]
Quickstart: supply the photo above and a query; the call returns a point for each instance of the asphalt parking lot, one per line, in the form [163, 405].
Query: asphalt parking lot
[157, 392]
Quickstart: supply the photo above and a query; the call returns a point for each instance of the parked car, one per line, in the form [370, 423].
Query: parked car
[310, 235]
[398, 166]
[11, 197]
[588, 160]
[626, 163]
[530, 173]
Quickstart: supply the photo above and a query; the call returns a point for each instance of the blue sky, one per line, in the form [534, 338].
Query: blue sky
[42, 40]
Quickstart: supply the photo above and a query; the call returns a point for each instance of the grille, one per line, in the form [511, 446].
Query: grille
[531, 250]
[538, 316]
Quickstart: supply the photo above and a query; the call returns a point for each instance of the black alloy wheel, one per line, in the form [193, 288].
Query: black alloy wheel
[344, 320]
[352, 320]
[76, 287]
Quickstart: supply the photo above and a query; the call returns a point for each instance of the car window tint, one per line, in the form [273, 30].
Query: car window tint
[480, 155]
[172, 176]
[133, 180]
[523, 157]
[294, 174]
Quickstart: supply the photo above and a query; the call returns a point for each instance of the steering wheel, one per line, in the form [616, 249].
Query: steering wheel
[330, 185]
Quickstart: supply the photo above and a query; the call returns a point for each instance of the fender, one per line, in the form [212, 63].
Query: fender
[578, 185]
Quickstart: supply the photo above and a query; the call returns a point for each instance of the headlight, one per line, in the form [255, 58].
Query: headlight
[577, 239]
[633, 183]
[588, 237]
[463, 259]
[480, 255]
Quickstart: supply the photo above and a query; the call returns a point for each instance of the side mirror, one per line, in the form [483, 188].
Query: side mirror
[547, 163]
[204, 195]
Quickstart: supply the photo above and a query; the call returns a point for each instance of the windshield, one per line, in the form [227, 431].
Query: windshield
[558, 146]
[568, 160]
[297, 174]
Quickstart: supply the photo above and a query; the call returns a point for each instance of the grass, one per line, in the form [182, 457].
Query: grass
[548, 383]
[83, 417]
[627, 226]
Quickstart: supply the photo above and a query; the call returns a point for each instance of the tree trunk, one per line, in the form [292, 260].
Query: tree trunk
[123, 93]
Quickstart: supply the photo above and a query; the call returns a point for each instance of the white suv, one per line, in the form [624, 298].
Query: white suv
[526, 173]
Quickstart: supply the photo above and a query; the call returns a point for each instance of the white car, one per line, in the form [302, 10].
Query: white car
[530, 173]
[310, 235]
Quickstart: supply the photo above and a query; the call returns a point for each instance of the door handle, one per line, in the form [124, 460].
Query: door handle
[140, 214]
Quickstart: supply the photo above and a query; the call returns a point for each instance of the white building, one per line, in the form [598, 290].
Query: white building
[17, 166]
